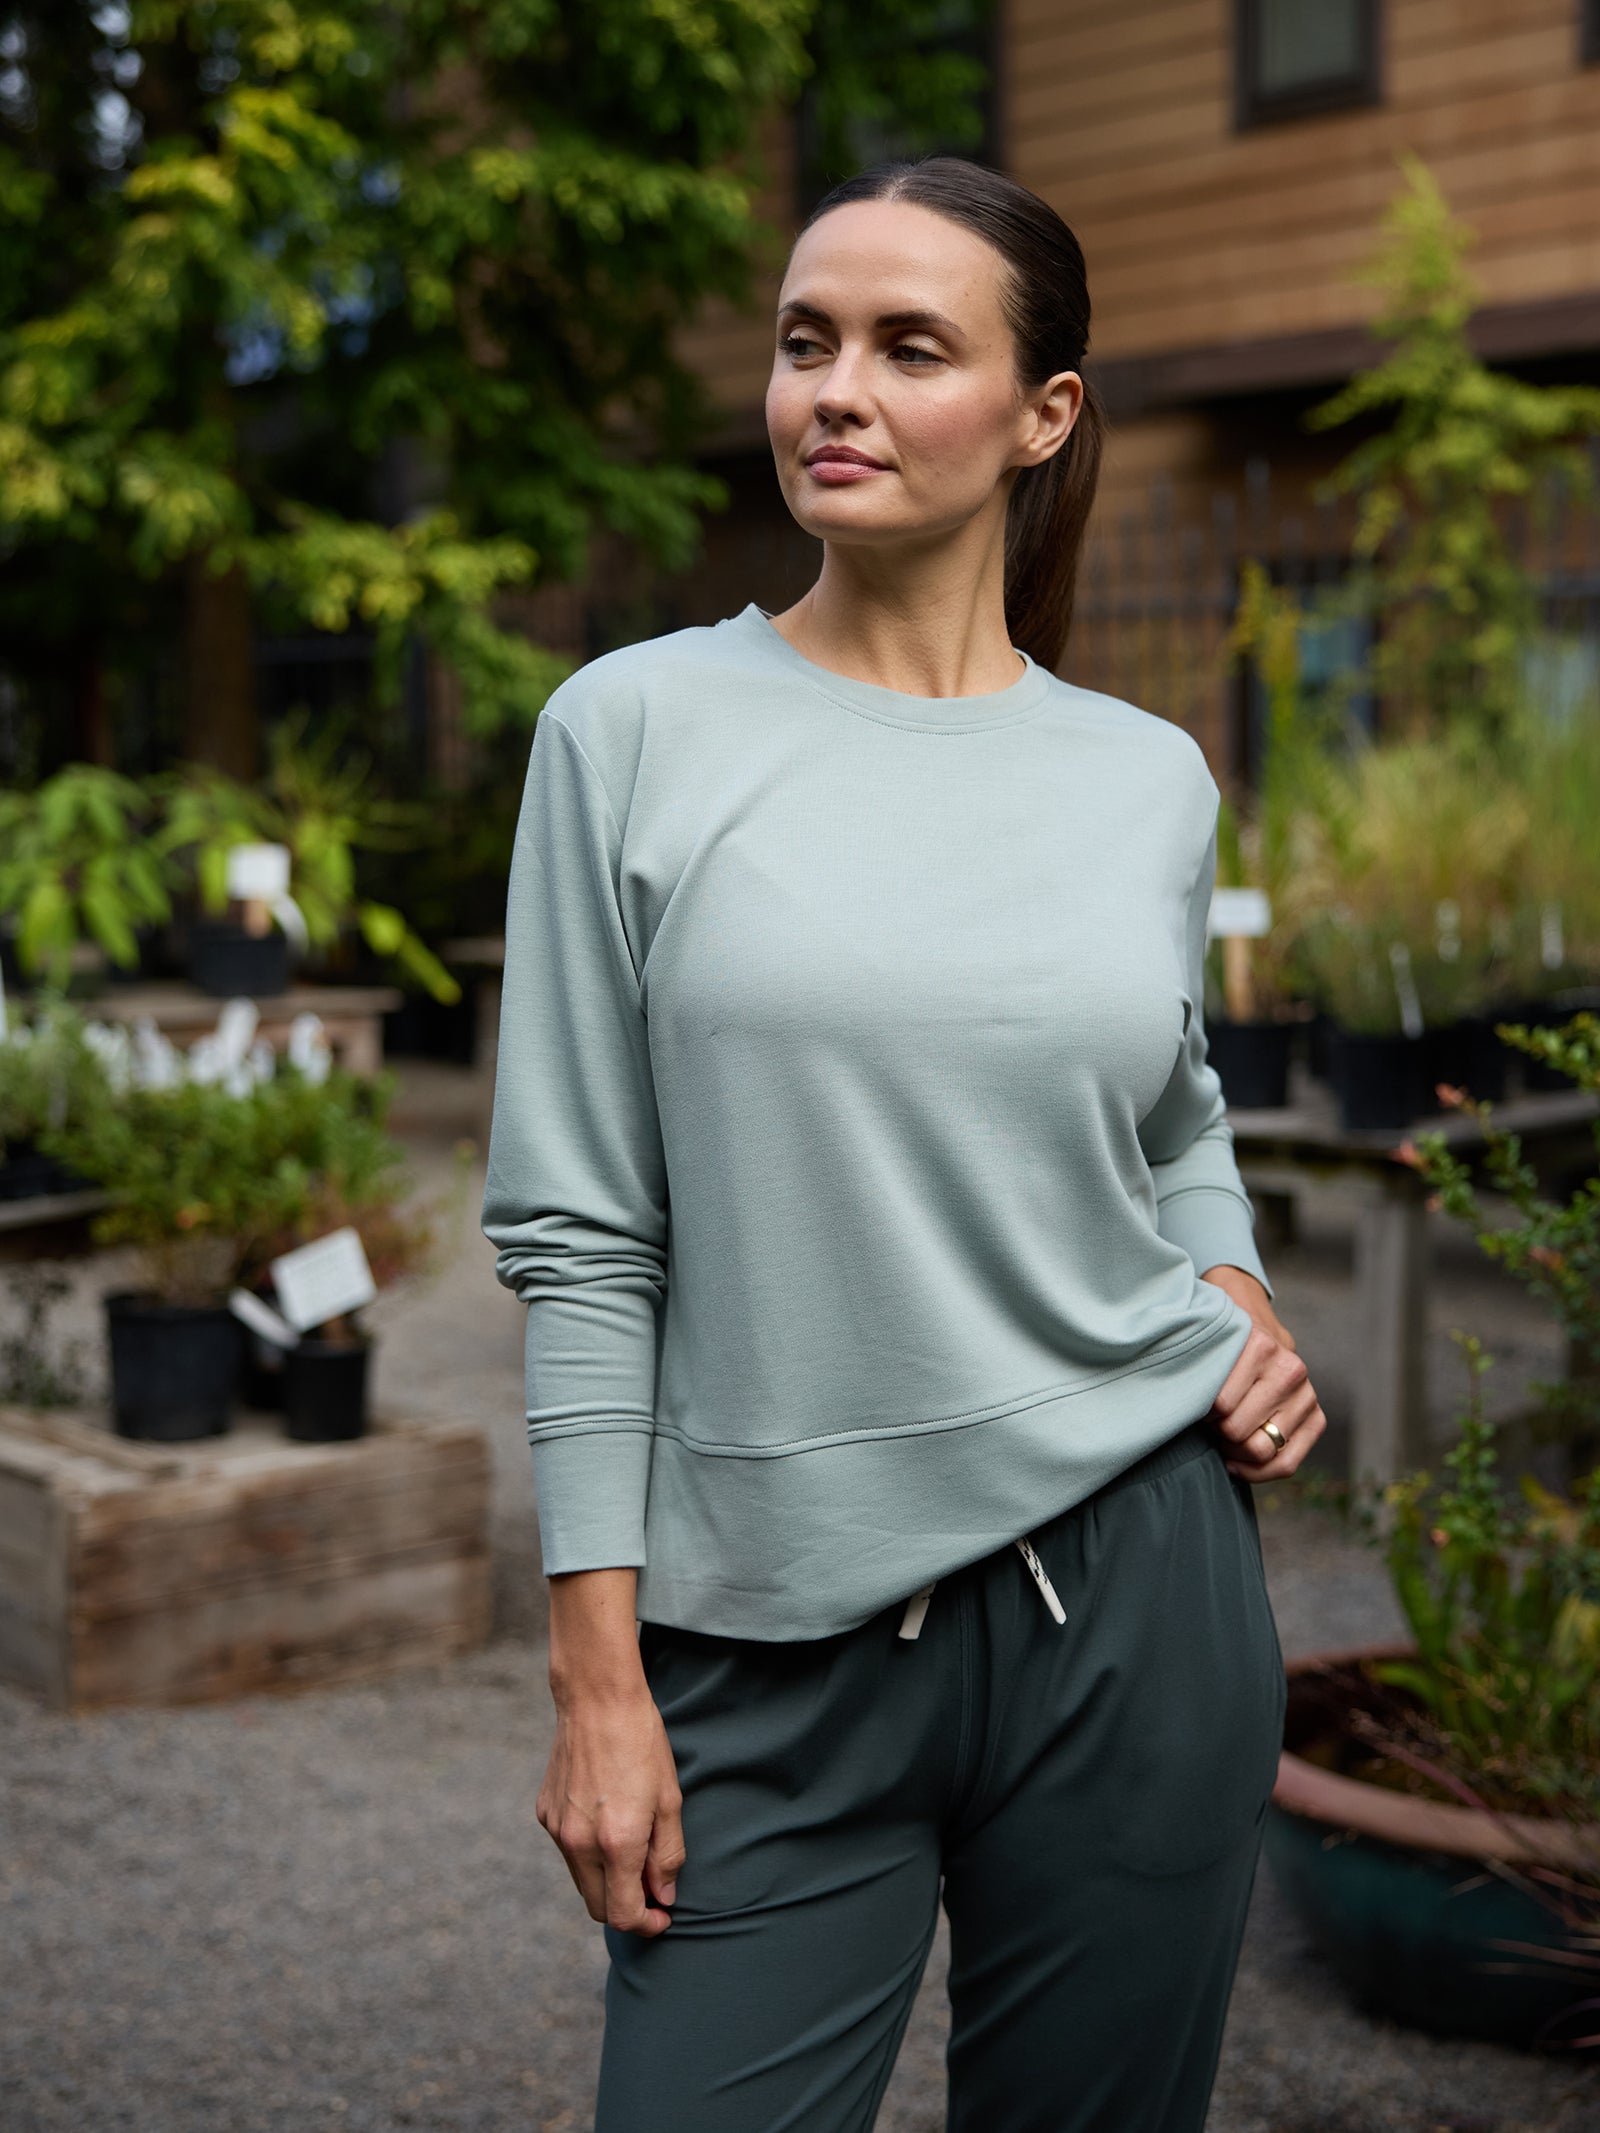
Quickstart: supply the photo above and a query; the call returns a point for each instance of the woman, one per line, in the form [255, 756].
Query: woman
[918, 1440]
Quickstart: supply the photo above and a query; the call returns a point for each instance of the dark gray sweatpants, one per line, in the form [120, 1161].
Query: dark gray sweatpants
[1092, 1797]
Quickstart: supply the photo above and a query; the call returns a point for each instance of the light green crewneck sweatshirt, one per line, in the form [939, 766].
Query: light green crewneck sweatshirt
[855, 1147]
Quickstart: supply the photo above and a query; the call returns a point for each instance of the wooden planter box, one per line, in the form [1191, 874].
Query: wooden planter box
[187, 1573]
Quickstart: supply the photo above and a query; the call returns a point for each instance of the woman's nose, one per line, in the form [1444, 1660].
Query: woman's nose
[843, 394]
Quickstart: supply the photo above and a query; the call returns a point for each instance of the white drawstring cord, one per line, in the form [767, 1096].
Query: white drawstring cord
[917, 1606]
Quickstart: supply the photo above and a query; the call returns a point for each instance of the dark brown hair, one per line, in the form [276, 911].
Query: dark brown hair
[1045, 292]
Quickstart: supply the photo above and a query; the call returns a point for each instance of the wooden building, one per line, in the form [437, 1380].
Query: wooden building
[1224, 164]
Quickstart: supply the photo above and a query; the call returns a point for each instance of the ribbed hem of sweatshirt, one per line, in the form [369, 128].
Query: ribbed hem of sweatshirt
[591, 1487]
[816, 1542]
[1215, 1227]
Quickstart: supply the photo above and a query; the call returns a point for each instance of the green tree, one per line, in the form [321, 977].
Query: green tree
[349, 313]
[1458, 443]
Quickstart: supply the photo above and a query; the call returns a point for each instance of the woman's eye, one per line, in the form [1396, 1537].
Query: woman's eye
[798, 345]
[918, 356]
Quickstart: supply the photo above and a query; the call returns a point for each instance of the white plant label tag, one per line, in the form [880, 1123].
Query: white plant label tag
[258, 872]
[323, 1280]
[262, 1319]
[1239, 912]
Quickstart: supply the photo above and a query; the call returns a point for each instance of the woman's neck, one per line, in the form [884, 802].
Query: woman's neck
[929, 624]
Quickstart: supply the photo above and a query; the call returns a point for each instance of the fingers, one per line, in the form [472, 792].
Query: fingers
[1268, 1383]
[619, 1829]
[666, 1853]
[1278, 1465]
[1266, 1379]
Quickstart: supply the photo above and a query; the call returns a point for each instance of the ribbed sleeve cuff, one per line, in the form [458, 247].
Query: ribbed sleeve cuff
[591, 1486]
[1215, 1227]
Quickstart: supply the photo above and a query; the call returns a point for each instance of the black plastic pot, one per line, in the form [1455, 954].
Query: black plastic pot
[227, 962]
[260, 1375]
[26, 1174]
[1253, 1060]
[1316, 1041]
[154, 959]
[1469, 1055]
[174, 1368]
[424, 1028]
[1381, 1081]
[325, 1390]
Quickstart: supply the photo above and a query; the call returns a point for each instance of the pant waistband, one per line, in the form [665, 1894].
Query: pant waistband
[1191, 1442]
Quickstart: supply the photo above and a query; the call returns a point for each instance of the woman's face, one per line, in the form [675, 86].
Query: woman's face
[894, 408]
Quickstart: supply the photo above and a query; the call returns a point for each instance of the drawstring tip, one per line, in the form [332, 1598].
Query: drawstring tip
[1041, 1577]
[916, 1613]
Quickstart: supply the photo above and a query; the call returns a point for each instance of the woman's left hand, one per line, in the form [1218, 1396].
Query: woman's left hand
[1268, 1383]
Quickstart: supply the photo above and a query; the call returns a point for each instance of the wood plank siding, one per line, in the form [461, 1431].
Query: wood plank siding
[1223, 272]
[1119, 112]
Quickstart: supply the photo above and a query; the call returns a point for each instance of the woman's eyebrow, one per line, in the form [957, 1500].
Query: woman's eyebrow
[902, 321]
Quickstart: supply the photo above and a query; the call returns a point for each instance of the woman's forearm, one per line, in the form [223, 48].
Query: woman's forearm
[594, 1639]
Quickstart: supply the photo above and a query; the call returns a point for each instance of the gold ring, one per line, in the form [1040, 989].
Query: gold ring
[1271, 1429]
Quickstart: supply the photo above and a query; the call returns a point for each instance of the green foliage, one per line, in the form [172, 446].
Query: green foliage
[75, 861]
[451, 241]
[1502, 1593]
[902, 77]
[205, 1183]
[1503, 1601]
[319, 802]
[50, 1076]
[1459, 441]
[1471, 861]
[1553, 1249]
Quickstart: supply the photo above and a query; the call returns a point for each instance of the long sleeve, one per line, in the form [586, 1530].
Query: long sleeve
[576, 1200]
[1201, 1203]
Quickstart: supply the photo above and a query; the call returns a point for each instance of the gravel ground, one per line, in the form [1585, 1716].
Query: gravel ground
[336, 1911]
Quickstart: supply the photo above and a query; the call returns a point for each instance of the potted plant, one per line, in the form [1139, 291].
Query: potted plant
[78, 869]
[1436, 1818]
[1400, 893]
[319, 813]
[50, 1077]
[199, 1172]
[353, 1176]
[1254, 1007]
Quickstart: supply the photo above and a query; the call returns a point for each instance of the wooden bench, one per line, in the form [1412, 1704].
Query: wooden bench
[135, 1573]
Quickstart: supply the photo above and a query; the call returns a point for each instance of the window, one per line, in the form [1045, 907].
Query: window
[1294, 58]
[908, 79]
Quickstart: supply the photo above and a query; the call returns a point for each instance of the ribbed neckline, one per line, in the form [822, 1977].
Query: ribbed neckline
[894, 707]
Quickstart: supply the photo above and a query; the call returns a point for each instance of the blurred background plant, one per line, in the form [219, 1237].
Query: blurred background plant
[317, 800]
[51, 1076]
[77, 867]
[1457, 441]
[1552, 1246]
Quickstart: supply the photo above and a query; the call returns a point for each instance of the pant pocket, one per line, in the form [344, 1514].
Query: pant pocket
[1199, 1687]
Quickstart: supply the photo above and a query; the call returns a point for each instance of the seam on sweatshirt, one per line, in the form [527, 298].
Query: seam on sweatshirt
[935, 726]
[1181, 1192]
[588, 763]
[936, 1425]
[542, 1432]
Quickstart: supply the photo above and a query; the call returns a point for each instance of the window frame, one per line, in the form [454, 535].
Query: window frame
[1362, 86]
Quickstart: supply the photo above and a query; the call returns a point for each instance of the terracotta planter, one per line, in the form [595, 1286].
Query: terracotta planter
[1403, 1895]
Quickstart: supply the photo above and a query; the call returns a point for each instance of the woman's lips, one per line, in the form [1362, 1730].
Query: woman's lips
[839, 468]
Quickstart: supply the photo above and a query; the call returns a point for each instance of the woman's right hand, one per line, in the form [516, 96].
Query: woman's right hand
[610, 1797]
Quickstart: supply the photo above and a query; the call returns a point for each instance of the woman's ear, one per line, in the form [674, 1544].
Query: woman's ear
[1054, 408]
